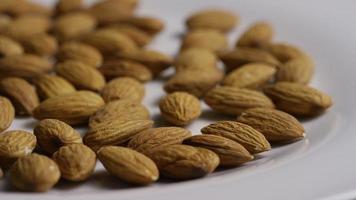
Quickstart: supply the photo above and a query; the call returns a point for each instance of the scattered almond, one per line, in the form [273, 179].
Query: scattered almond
[123, 88]
[9, 47]
[148, 24]
[42, 45]
[296, 70]
[65, 6]
[48, 86]
[80, 52]
[257, 35]
[140, 37]
[212, 40]
[7, 114]
[284, 51]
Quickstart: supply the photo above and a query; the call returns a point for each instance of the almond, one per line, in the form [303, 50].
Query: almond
[74, 108]
[195, 59]
[148, 24]
[65, 6]
[233, 101]
[230, 153]
[140, 37]
[257, 35]
[128, 165]
[284, 51]
[80, 52]
[9, 47]
[51, 134]
[21, 93]
[184, 162]
[275, 125]
[153, 138]
[42, 45]
[212, 40]
[251, 139]
[48, 86]
[81, 75]
[296, 70]
[123, 88]
[24, 7]
[298, 99]
[180, 108]
[7, 113]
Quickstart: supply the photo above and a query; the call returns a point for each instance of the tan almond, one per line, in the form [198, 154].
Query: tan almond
[110, 42]
[150, 25]
[65, 6]
[244, 55]
[24, 7]
[42, 45]
[25, 66]
[298, 70]
[212, 40]
[285, 51]
[81, 75]
[51, 134]
[230, 153]
[74, 108]
[48, 86]
[233, 101]
[252, 76]
[80, 52]
[153, 60]
[195, 59]
[7, 114]
[118, 110]
[125, 68]
[128, 165]
[153, 138]
[298, 99]
[216, 19]
[251, 139]
[75, 161]
[123, 88]
[15, 144]
[9, 47]
[140, 37]
[184, 162]
[73, 25]
[275, 125]
[180, 108]
[22, 94]
[5, 20]
[115, 133]
[34, 173]
[257, 35]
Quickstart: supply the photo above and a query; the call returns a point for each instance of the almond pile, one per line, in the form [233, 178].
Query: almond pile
[76, 65]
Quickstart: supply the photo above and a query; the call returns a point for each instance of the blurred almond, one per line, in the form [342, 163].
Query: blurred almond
[7, 113]
[257, 35]
[284, 51]
[9, 47]
[42, 45]
[140, 37]
[298, 70]
[80, 52]
[123, 88]
[150, 25]
[65, 6]
[212, 40]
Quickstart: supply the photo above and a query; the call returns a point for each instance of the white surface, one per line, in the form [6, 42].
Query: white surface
[322, 166]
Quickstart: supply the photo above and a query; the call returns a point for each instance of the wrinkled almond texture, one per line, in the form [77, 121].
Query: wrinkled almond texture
[7, 113]
[80, 52]
[123, 88]
[48, 86]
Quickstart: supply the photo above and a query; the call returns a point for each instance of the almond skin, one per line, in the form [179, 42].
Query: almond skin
[65, 6]
[9, 47]
[233, 101]
[180, 108]
[298, 99]
[284, 51]
[82, 76]
[140, 37]
[275, 125]
[75, 161]
[115, 133]
[74, 108]
[184, 162]
[7, 113]
[252, 76]
[215, 19]
[251, 139]
[35, 173]
[15, 144]
[48, 86]
[230, 153]
[24, 66]
[257, 35]
[211, 40]
[42, 45]
[80, 52]
[150, 139]
[118, 110]
[22, 94]
[51, 134]
[150, 25]
[298, 70]
[128, 165]
[123, 88]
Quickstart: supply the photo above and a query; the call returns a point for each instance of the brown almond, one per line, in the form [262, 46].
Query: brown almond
[128, 165]
[65, 6]
[48, 86]
[42, 45]
[51, 134]
[233, 101]
[195, 59]
[21, 93]
[125, 68]
[184, 162]
[24, 7]
[284, 51]
[123, 88]
[15, 144]
[230, 153]
[275, 125]
[75, 161]
[81, 75]
[252, 76]
[7, 114]
[5, 20]
[220, 20]
[251, 139]
[298, 99]
[25, 66]
[140, 37]
[9, 47]
[74, 108]
[80, 52]
[180, 108]
[298, 70]
[150, 25]
[257, 35]
[153, 138]
[115, 133]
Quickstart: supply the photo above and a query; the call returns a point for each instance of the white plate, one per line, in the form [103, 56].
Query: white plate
[322, 166]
